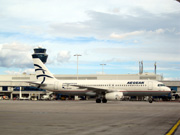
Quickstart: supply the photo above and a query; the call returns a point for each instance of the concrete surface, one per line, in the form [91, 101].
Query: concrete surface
[87, 118]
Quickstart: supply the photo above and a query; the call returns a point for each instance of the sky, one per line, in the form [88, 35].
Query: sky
[118, 33]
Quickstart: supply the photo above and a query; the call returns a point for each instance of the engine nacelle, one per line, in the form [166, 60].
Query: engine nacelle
[114, 96]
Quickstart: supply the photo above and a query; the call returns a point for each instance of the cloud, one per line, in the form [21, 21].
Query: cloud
[138, 52]
[101, 25]
[63, 56]
[15, 55]
[121, 36]
[114, 30]
[136, 33]
[84, 21]
[159, 31]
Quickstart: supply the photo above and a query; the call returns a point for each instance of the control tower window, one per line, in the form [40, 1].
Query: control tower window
[41, 54]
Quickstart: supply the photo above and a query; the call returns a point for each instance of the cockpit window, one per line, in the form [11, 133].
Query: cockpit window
[161, 85]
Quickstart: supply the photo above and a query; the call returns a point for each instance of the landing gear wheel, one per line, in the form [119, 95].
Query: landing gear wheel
[98, 100]
[104, 100]
[150, 100]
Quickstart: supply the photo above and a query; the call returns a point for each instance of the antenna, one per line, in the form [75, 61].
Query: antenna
[155, 67]
[140, 67]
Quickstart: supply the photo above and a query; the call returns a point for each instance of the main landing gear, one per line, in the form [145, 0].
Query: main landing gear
[150, 99]
[99, 100]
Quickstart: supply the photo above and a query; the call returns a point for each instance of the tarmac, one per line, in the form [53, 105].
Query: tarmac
[87, 117]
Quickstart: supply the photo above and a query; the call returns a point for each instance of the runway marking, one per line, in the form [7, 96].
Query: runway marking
[174, 128]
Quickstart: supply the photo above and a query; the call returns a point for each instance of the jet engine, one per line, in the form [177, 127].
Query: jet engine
[114, 96]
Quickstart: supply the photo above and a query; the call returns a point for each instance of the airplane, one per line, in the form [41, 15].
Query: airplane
[103, 89]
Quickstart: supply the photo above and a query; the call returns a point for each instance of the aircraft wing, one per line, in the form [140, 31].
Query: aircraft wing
[97, 90]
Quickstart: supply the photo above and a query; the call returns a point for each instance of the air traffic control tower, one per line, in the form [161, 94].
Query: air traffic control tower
[41, 54]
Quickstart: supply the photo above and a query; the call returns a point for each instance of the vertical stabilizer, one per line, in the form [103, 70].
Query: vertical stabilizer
[42, 73]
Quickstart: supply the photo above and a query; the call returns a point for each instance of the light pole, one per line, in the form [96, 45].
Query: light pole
[77, 63]
[102, 68]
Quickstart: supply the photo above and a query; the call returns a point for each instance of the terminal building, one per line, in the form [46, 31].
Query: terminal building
[14, 85]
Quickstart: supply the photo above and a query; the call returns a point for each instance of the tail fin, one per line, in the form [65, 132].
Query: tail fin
[42, 73]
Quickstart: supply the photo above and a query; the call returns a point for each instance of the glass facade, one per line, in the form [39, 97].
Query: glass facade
[5, 88]
[174, 88]
[28, 88]
[39, 50]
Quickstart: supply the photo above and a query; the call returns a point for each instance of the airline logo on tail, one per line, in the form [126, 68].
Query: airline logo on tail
[41, 75]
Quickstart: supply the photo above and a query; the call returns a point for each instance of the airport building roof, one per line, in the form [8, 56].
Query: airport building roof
[32, 77]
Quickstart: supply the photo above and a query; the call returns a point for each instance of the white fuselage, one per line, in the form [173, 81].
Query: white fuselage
[103, 89]
[127, 87]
